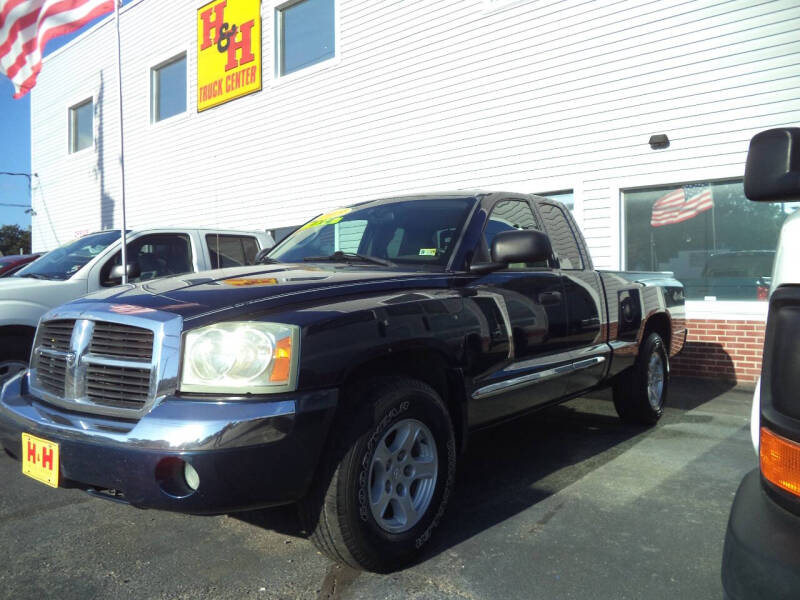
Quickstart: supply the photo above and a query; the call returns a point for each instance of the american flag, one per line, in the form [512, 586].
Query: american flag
[681, 205]
[27, 25]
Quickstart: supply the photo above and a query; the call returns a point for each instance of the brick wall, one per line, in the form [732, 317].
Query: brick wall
[721, 349]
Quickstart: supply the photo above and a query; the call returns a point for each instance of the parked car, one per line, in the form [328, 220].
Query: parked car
[346, 374]
[92, 263]
[761, 558]
[738, 275]
[11, 264]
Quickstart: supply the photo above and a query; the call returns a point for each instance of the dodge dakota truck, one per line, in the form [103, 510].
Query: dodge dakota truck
[344, 374]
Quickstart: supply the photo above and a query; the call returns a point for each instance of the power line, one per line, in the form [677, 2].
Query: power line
[28, 207]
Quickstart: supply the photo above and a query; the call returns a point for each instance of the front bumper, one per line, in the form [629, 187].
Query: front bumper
[248, 453]
[762, 546]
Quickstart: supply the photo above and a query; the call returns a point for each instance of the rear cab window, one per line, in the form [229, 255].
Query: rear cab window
[562, 238]
[226, 250]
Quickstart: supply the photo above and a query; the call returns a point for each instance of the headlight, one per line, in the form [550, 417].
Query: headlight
[241, 357]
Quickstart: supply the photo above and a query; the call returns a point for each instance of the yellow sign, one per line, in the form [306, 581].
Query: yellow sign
[40, 459]
[228, 51]
[330, 218]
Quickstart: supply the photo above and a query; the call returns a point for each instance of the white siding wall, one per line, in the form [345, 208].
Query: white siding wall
[524, 95]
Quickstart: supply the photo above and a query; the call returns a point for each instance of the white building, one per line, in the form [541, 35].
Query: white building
[367, 98]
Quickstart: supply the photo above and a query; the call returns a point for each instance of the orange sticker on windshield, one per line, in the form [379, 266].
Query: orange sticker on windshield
[246, 281]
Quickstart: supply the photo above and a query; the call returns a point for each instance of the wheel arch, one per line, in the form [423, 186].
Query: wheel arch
[425, 364]
[16, 334]
[661, 324]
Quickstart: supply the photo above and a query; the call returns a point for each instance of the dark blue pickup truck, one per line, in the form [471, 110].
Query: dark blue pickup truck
[345, 373]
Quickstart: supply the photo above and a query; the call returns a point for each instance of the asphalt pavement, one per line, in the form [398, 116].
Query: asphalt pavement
[566, 503]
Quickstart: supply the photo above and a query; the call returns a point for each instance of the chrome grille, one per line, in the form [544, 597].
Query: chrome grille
[115, 340]
[115, 386]
[105, 364]
[51, 372]
[56, 335]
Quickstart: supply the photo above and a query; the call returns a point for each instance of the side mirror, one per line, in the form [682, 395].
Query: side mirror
[115, 276]
[521, 246]
[262, 254]
[772, 171]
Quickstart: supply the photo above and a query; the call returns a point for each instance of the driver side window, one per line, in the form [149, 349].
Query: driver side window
[508, 215]
[157, 255]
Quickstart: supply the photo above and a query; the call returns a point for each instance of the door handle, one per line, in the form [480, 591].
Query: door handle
[550, 298]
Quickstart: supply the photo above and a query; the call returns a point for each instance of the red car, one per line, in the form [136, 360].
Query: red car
[12, 264]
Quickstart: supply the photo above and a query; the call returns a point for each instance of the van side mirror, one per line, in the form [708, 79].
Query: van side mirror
[521, 246]
[115, 276]
[772, 171]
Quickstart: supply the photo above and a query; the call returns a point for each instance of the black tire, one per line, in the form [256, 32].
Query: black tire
[632, 388]
[15, 351]
[337, 513]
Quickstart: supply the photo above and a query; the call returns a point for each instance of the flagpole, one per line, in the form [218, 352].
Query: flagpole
[121, 148]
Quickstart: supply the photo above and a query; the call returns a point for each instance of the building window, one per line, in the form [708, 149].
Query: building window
[81, 127]
[306, 33]
[566, 197]
[720, 245]
[168, 89]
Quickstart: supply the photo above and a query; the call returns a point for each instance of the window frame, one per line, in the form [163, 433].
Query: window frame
[151, 82]
[276, 78]
[72, 130]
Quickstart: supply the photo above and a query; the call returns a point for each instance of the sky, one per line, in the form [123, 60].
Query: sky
[15, 143]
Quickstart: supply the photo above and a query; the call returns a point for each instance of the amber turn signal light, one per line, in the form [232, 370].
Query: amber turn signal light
[283, 360]
[780, 461]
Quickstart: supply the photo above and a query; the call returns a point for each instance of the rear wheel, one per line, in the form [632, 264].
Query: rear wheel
[640, 392]
[386, 478]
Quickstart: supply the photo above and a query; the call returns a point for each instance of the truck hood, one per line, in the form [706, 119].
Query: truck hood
[240, 290]
[27, 289]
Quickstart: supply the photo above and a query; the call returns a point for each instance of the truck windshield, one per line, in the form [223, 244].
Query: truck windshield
[64, 262]
[420, 232]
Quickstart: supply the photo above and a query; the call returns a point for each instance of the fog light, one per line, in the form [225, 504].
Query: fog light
[191, 476]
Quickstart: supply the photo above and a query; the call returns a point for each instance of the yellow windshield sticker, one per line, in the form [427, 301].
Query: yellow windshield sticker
[327, 219]
[244, 281]
[427, 251]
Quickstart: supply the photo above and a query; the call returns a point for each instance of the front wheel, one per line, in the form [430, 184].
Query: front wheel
[385, 481]
[640, 392]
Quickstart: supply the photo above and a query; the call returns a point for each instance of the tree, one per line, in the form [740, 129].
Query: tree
[14, 237]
